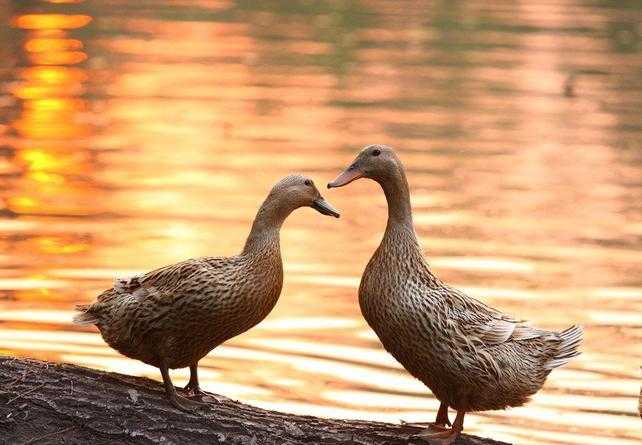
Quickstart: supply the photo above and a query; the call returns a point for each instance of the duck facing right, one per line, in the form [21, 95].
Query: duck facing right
[472, 357]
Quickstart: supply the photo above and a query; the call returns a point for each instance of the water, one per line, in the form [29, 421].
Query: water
[137, 134]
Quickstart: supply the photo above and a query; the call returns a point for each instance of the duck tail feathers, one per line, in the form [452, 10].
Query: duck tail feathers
[84, 317]
[567, 348]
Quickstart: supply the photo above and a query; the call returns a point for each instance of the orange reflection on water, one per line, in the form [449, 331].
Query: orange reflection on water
[51, 21]
[52, 123]
[523, 198]
[50, 45]
[39, 160]
[58, 57]
[50, 90]
[54, 75]
[64, 1]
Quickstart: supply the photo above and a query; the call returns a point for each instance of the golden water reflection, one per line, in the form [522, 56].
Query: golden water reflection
[133, 138]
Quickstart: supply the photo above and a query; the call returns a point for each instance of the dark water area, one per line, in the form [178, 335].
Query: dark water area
[138, 134]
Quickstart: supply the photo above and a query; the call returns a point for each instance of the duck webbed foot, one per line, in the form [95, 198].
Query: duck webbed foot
[440, 423]
[431, 426]
[440, 435]
[445, 437]
[177, 401]
[187, 405]
[194, 390]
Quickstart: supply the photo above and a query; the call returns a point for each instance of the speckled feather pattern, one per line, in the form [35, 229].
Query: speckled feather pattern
[470, 355]
[178, 313]
[183, 311]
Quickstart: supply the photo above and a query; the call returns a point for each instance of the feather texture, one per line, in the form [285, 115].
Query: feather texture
[473, 357]
[178, 313]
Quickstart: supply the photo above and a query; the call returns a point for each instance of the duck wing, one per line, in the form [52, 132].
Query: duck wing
[152, 296]
[478, 320]
[169, 280]
[162, 285]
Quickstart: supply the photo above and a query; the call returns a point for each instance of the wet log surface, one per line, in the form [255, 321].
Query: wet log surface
[42, 402]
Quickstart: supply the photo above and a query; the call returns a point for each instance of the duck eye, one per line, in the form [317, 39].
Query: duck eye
[307, 182]
[376, 152]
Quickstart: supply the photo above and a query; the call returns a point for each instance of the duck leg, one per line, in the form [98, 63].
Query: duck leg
[440, 422]
[442, 419]
[192, 387]
[447, 436]
[177, 401]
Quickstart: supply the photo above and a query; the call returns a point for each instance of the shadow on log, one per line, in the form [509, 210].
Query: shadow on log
[43, 403]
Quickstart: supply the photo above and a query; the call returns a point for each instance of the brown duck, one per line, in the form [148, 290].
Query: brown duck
[173, 316]
[471, 356]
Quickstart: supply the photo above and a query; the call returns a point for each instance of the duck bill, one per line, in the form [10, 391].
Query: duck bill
[345, 178]
[322, 206]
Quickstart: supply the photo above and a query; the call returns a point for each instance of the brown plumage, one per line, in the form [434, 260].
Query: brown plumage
[173, 316]
[471, 356]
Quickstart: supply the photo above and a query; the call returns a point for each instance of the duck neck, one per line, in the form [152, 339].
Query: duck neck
[264, 235]
[395, 187]
[400, 248]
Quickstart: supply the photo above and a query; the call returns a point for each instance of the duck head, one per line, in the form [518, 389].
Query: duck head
[376, 162]
[296, 191]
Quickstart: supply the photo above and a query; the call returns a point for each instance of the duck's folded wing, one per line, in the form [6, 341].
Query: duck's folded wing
[477, 320]
[165, 282]
[171, 278]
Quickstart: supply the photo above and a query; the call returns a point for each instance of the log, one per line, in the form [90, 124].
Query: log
[43, 402]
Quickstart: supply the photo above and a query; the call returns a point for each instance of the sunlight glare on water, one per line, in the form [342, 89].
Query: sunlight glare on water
[138, 134]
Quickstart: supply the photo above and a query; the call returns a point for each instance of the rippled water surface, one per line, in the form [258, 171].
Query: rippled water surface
[137, 134]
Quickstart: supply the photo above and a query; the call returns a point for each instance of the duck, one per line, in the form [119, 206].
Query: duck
[173, 316]
[471, 356]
